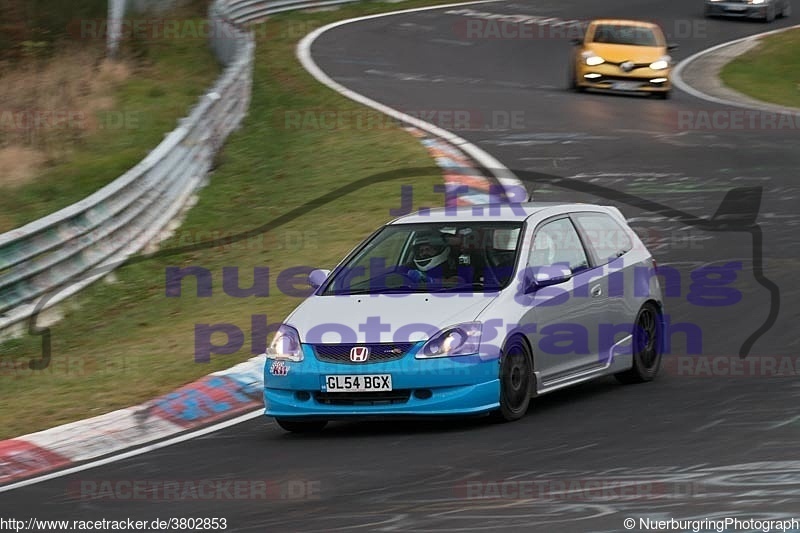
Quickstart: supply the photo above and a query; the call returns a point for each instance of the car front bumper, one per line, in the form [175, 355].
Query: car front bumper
[736, 9]
[441, 386]
[612, 77]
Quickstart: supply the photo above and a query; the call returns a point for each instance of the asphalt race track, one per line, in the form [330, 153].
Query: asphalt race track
[705, 440]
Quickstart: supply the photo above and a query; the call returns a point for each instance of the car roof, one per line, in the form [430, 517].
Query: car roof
[499, 212]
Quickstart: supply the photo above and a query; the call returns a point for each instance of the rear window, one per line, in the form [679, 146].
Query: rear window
[606, 238]
[621, 34]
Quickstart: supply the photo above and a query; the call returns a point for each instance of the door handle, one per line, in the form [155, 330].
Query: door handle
[597, 290]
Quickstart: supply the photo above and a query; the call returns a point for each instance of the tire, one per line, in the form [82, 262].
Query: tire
[516, 381]
[572, 82]
[571, 79]
[786, 11]
[301, 426]
[770, 17]
[647, 345]
[665, 95]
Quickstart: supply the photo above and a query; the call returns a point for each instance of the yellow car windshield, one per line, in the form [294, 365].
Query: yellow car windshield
[627, 35]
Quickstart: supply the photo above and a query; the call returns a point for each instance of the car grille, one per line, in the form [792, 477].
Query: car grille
[363, 398]
[609, 79]
[378, 353]
[635, 65]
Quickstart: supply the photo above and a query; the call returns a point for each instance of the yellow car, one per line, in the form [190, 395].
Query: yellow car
[622, 55]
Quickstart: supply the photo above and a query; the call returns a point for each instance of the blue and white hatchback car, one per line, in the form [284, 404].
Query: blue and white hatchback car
[469, 310]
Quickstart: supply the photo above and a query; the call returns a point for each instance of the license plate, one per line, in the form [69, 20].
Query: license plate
[736, 9]
[625, 85]
[359, 383]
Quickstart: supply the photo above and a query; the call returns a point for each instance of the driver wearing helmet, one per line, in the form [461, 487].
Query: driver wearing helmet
[433, 258]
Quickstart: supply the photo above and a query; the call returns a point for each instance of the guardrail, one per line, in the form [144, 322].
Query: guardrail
[59, 252]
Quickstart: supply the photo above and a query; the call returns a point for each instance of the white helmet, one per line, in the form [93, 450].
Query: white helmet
[435, 240]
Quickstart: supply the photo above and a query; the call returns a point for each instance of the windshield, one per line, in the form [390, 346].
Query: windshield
[630, 35]
[454, 257]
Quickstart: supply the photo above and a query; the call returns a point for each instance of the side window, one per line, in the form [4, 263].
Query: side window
[604, 236]
[557, 243]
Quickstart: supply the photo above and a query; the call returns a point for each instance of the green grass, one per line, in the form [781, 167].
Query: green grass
[166, 84]
[127, 342]
[769, 72]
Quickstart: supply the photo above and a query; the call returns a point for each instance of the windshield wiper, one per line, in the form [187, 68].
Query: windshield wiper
[464, 287]
[376, 290]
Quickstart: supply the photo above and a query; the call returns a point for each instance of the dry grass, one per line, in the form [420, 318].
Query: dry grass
[48, 107]
[19, 165]
[108, 117]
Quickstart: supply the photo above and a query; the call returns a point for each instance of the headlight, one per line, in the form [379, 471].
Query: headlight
[592, 59]
[461, 339]
[757, 1]
[285, 345]
[661, 64]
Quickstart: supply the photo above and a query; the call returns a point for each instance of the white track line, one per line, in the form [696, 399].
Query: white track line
[137, 451]
[677, 80]
[500, 171]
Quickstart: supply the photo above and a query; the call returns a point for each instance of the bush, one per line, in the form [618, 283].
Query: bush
[43, 22]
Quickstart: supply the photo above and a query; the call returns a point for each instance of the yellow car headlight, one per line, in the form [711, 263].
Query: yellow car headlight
[661, 64]
[592, 60]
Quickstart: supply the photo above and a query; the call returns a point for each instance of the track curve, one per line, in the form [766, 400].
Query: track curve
[703, 441]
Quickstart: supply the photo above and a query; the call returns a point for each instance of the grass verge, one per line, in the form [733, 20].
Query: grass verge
[126, 342]
[73, 123]
[769, 72]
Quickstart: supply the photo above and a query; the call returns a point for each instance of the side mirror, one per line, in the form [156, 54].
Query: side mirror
[546, 276]
[317, 277]
[576, 42]
[672, 46]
